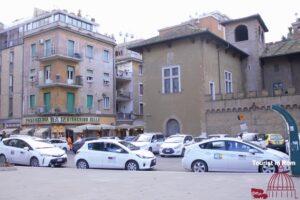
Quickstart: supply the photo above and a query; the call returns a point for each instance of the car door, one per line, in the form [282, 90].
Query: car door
[156, 142]
[215, 155]
[96, 154]
[115, 156]
[22, 155]
[11, 150]
[241, 159]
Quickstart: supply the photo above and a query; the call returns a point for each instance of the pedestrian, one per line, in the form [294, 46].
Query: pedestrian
[70, 143]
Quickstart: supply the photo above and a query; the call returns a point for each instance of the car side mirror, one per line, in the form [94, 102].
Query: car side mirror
[252, 151]
[26, 148]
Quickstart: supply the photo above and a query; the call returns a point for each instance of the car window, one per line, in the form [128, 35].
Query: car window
[54, 141]
[237, 146]
[96, 146]
[160, 138]
[188, 138]
[13, 143]
[21, 144]
[110, 147]
[215, 145]
[276, 137]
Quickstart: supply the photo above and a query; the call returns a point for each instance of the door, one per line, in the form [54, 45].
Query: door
[47, 74]
[71, 46]
[22, 156]
[70, 102]
[115, 156]
[240, 158]
[156, 142]
[47, 48]
[173, 127]
[96, 154]
[70, 75]
[11, 150]
[47, 102]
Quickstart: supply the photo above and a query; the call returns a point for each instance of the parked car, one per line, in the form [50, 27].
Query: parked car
[275, 141]
[199, 139]
[79, 143]
[129, 138]
[106, 153]
[217, 136]
[232, 154]
[61, 143]
[111, 137]
[175, 145]
[27, 151]
[255, 138]
[149, 141]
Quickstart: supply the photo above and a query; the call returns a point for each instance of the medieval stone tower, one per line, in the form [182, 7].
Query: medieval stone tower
[248, 34]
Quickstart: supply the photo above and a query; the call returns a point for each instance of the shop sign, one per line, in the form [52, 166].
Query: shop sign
[61, 120]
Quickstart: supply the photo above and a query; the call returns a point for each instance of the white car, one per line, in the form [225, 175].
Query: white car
[149, 141]
[254, 138]
[175, 145]
[60, 143]
[229, 154]
[110, 153]
[27, 151]
[217, 136]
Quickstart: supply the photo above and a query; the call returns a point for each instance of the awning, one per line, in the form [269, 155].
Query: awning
[25, 131]
[106, 127]
[39, 132]
[124, 126]
[75, 129]
[91, 127]
[8, 131]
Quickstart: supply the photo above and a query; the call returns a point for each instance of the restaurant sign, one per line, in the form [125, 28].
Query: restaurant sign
[61, 120]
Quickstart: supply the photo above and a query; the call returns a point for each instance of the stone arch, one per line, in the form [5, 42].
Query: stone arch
[172, 126]
[241, 33]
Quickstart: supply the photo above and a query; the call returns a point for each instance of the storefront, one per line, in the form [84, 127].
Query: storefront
[62, 126]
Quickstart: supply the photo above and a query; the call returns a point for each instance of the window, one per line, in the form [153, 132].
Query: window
[71, 48]
[90, 75]
[10, 107]
[47, 48]
[47, 73]
[241, 33]
[228, 82]
[32, 101]
[171, 80]
[212, 90]
[11, 56]
[32, 75]
[89, 51]
[140, 70]
[106, 79]
[106, 103]
[113, 148]
[141, 108]
[33, 50]
[105, 56]
[216, 145]
[89, 101]
[141, 89]
[70, 74]
[96, 146]
[237, 146]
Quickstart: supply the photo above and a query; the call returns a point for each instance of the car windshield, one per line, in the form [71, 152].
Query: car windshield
[174, 139]
[276, 137]
[129, 146]
[255, 145]
[143, 138]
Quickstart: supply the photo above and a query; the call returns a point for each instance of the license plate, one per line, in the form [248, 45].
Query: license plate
[168, 151]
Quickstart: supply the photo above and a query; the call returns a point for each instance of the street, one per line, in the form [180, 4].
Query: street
[163, 164]
[69, 183]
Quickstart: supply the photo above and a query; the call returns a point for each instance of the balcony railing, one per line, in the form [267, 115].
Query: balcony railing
[124, 116]
[76, 83]
[123, 95]
[123, 74]
[62, 53]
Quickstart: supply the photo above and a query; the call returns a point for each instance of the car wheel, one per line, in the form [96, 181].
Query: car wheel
[199, 166]
[82, 164]
[268, 167]
[2, 159]
[150, 149]
[132, 166]
[182, 153]
[34, 162]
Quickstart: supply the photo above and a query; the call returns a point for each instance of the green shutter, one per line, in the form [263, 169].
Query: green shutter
[70, 102]
[47, 102]
[32, 101]
[89, 102]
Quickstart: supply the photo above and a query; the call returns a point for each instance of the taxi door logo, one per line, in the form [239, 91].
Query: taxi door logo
[280, 186]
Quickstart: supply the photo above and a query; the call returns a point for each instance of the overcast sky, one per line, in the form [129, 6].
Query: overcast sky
[143, 18]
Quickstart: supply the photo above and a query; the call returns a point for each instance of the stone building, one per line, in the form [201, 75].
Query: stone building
[197, 82]
[66, 74]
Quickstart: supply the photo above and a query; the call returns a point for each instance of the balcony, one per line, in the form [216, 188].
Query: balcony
[77, 83]
[59, 53]
[123, 95]
[124, 116]
[123, 75]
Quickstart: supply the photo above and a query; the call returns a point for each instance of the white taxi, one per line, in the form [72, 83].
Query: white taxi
[175, 145]
[149, 141]
[27, 151]
[229, 154]
[110, 153]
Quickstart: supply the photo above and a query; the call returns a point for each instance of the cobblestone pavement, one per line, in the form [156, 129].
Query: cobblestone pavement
[27, 183]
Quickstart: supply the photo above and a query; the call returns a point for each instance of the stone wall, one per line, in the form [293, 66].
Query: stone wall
[221, 116]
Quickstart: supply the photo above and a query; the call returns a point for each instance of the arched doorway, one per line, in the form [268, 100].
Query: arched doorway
[173, 127]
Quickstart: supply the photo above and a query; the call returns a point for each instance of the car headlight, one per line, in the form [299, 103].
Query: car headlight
[142, 156]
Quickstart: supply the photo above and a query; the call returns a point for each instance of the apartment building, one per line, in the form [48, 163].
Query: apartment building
[68, 73]
[129, 86]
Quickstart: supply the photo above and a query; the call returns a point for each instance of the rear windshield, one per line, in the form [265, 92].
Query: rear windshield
[276, 137]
